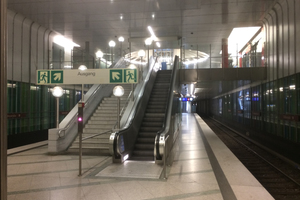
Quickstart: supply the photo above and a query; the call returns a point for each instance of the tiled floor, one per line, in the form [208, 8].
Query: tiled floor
[35, 175]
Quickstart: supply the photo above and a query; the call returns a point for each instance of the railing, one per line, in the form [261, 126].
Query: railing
[123, 108]
[92, 96]
[95, 135]
[68, 130]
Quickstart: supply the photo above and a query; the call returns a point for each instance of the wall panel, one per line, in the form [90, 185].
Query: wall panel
[25, 49]
[33, 51]
[17, 49]
[10, 17]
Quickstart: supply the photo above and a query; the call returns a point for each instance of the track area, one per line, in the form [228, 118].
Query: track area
[281, 179]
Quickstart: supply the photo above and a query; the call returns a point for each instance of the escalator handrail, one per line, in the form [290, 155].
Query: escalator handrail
[117, 133]
[141, 93]
[168, 112]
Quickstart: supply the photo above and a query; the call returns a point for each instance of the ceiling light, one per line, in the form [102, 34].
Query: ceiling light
[99, 54]
[239, 37]
[141, 53]
[158, 44]
[152, 33]
[292, 87]
[112, 43]
[148, 41]
[153, 16]
[82, 67]
[64, 42]
[121, 39]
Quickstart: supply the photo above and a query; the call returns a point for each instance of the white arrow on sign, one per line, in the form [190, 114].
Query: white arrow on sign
[57, 76]
[116, 75]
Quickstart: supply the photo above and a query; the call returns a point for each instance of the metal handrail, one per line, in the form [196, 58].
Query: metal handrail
[115, 135]
[74, 118]
[123, 108]
[92, 136]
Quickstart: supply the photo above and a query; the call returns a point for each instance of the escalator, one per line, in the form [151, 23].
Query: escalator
[153, 118]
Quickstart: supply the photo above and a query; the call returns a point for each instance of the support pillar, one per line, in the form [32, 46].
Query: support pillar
[224, 53]
[3, 100]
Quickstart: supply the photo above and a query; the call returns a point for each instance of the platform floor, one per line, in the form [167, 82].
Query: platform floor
[203, 168]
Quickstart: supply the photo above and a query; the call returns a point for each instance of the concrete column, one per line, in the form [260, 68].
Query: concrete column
[224, 53]
[3, 103]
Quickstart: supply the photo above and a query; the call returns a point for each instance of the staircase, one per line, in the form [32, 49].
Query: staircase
[103, 119]
[153, 118]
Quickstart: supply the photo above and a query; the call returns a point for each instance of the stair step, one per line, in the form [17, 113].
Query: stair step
[97, 118]
[105, 114]
[94, 131]
[101, 126]
[106, 111]
[100, 122]
[107, 108]
[109, 104]
[91, 145]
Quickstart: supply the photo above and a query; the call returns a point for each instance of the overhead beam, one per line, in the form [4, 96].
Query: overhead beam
[222, 74]
[159, 39]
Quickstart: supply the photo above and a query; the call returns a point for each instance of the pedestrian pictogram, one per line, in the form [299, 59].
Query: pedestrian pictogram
[130, 75]
[116, 76]
[43, 77]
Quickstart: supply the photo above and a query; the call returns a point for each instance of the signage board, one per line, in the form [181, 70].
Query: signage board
[89, 76]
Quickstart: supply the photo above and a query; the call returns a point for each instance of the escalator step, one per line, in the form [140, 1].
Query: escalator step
[144, 147]
[146, 140]
[155, 110]
[158, 120]
[152, 124]
[142, 158]
[147, 134]
[158, 115]
[150, 129]
[156, 106]
[143, 153]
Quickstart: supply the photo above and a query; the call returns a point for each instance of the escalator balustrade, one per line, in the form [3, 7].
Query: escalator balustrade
[153, 118]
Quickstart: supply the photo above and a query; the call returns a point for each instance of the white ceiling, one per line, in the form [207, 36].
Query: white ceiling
[198, 22]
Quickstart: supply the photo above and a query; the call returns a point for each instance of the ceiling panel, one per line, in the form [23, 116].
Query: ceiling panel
[201, 23]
